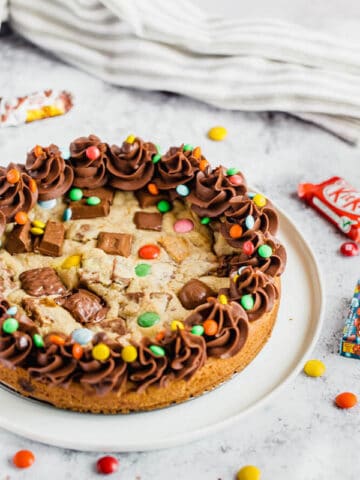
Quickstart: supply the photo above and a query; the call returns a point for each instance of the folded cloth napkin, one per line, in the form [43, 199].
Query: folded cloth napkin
[175, 46]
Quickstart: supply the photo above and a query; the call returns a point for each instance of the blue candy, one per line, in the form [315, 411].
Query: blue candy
[183, 190]
[251, 194]
[12, 311]
[82, 336]
[67, 214]
[65, 153]
[249, 222]
[47, 204]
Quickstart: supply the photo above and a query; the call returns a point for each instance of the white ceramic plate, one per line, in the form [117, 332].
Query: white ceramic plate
[294, 335]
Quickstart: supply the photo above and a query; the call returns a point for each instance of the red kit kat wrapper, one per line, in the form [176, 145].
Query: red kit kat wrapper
[337, 201]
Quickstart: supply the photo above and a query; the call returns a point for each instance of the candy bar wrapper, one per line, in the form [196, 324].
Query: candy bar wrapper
[350, 342]
[37, 106]
[337, 201]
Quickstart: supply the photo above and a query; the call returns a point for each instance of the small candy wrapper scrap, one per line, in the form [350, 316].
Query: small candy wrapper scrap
[350, 342]
[37, 106]
[337, 201]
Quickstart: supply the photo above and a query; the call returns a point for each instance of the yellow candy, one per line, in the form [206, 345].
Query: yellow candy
[38, 224]
[217, 133]
[259, 200]
[129, 354]
[130, 139]
[72, 261]
[101, 352]
[249, 472]
[223, 299]
[176, 324]
[314, 368]
[235, 277]
[37, 231]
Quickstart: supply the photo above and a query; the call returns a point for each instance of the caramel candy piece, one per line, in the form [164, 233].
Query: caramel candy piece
[19, 239]
[115, 243]
[177, 247]
[146, 199]
[82, 210]
[52, 241]
[41, 281]
[148, 221]
[194, 293]
[106, 194]
[84, 306]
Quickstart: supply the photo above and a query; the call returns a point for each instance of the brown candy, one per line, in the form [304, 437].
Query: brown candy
[52, 241]
[84, 306]
[19, 239]
[82, 210]
[106, 194]
[41, 281]
[115, 243]
[148, 221]
[146, 199]
[194, 293]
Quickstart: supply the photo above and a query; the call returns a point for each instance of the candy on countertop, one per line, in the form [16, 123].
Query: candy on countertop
[249, 472]
[314, 368]
[217, 133]
[129, 354]
[346, 400]
[107, 465]
[23, 459]
[148, 319]
[149, 252]
[185, 225]
[350, 340]
[101, 352]
[349, 249]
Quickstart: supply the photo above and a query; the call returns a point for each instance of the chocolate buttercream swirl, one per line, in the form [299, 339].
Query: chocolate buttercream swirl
[18, 196]
[232, 323]
[212, 191]
[176, 167]
[130, 166]
[2, 222]
[260, 286]
[52, 175]
[89, 173]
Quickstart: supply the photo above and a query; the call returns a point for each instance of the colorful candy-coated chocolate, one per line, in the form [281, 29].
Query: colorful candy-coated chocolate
[203, 164]
[196, 152]
[13, 176]
[210, 327]
[129, 354]
[156, 158]
[265, 251]
[38, 224]
[57, 339]
[101, 352]
[148, 319]
[12, 310]
[249, 222]
[23, 459]
[67, 214]
[75, 194]
[82, 336]
[157, 350]
[247, 302]
[130, 139]
[249, 472]
[314, 368]
[77, 351]
[37, 231]
[10, 325]
[38, 150]
[21, 218]
[164, 206]
[38, 340]
[236, 180]
[217, 133]
[92, 201]
[176, 325]
[142, 269]
[205, 220]
[259, 200]
[65, 153]
[349, 249]
[160, 336]
[197, 330]
[346, 400]
[47, 204]
[23, 342]
[223, 299]
[107, 465]
[235, 231]
[240, 269]
[182, 190]
[93, 153]
[32, 185]
[72, 261]
[248, 248]
[149, 252]
[184, 225]
[153, 189]
[251, 194]
[187, 147]
[232, 171]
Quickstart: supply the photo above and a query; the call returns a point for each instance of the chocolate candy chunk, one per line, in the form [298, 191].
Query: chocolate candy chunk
[82, 210]
[52, 241]
[19, 239]
[106, 194]
[135, 296]
[84, 306]
[148, 221]
[114, 325]
[41, 281]
[194, 293]
[115, 243]
[146, 199]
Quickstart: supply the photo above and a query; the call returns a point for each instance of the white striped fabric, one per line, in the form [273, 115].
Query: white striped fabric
[252, 65]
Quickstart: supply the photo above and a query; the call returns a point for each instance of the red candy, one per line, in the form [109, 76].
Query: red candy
[248, 248]
[107, 465]
[92, 152]
[337, 201]
[149, 252]
[350, 249]
[23, 459]
[236, 179]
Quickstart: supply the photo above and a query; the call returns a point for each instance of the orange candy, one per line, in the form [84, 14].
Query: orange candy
[21, 218]
[38, 151]
[153, 189]
[235, 231]
[196, 153]
[77, 351]
[149, 252]
[23, 459]
[57, 340]
[32, 185]
[160, 335]
[210, 327]
[203, 164]
[13, 176]
[346, 400]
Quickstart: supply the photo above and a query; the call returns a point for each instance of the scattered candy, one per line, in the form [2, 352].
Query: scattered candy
[265, 251]
[21, 218]
[217, 133]
[346, 400]
[223, 299]
[75, 194]
[187, 147]
[67, 214]
[93, 153]
[10, 325]
[210, 327]
[350, 340]
[236, 180]
[72, 261]
[259, 200]
[247, 302]
[153, 189]
[203, 164]
[47, 204]
[38, 340]
[197, 330]
[82, 336]
[92, 201]
[158, 351]
[77, 351]
[350, 249]
[142, 269]
[176, 325]
[164, 206]
[314, 368]
[182, 190]
[149, 252]
[249, 472]
[56, 339]
[101, 352]
[129, 354]
[148, 319]
[107, 464]
[13, 176]
[130, 139]
[232, 171]
[37, 231]
[23, 459]
[38, 224]
[235, 231]
[12, 310]
[205, 221]
[248, 248]
[185, 225]
[156, 158]
[249, 222]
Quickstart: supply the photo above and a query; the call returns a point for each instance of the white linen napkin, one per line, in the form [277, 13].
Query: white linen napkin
[252, 64]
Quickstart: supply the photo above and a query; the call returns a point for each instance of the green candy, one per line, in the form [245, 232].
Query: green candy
[187, 147]
[38, 340]
[265, 251]
[158, 351]
[158, 148]
[142, 269]
[93, 201]
[148, 319]
[247, 302]
[163, 206]
[205, 221]
[156, 158]
[232, 171]
[75, 194]
[197, 330]
[10, 325]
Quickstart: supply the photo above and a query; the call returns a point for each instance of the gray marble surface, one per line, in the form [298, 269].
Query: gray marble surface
[300, 434]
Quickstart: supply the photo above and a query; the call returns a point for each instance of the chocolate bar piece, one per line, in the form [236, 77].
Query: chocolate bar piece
[84, 306]
[52, 241]
[146, 199]
[106, 194]
[148, 221]
[19, 239]
[82, 210]
[115, 243]
[41, 281]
